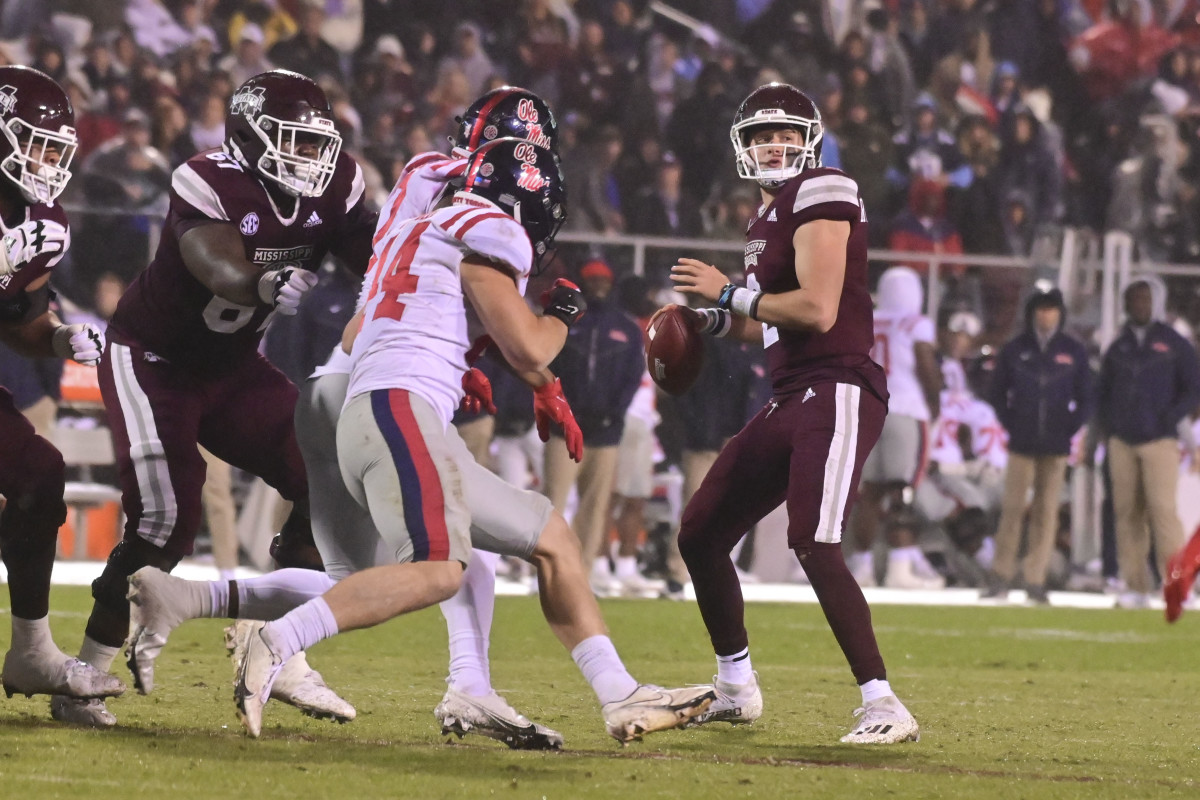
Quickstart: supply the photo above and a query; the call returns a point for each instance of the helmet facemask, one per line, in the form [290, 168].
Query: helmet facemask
[39, 180]
[299, 175]
[796, 158]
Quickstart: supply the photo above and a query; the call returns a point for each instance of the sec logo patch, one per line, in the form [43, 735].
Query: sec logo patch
[249, 224]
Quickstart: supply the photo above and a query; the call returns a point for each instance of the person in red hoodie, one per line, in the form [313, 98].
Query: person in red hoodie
[923, 227]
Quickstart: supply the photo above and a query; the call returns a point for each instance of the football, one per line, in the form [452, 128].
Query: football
[674, 350]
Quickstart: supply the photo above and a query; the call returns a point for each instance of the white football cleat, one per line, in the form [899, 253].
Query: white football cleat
[652, 708]
[158, 604]
[491, 716]
[84, 713]
[259, 668]
[883, 721]
[51, 671]
[298, 684]
[735, 704]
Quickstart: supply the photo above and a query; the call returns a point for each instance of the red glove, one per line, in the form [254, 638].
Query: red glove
[478, 393]
[549, 405]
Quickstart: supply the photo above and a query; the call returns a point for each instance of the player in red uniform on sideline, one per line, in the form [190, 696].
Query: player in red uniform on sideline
[806, 275]
[248, 225]
[37, 141]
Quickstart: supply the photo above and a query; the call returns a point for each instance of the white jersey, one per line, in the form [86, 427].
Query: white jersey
[418, 190]
[414, 331]
[988, 439]
[896, 336]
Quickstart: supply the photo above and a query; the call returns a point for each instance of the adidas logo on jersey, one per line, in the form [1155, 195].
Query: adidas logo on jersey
[771, 216]
[313, 219]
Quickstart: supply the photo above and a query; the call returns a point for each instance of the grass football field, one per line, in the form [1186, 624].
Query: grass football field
[1013, 703]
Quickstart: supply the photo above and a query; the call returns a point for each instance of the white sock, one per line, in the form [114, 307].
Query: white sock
[469, 620]
[875, 689]
[600, 569]
[862, 561]
[32, 634]
[98, 655]
[912, 553]
[218, 597]
[735, 669]
[301, 628]
[627, 566]
[597, 659]
[272, 595]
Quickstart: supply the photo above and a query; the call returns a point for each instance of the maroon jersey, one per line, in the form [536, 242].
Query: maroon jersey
[799, 359]
[169, 313]
[13, 301]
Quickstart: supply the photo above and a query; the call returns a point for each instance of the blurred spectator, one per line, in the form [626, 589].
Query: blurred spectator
[663, 209]
[343, 26]
[386, 83]
[469, 57]
[594, 83]
[1018, 223]
[91, 128]
[207, 129]
[698, 132]
[1149, 384]
[273, 23]
[448, 99]
[171, 135]
[1029, 165]
[1042, 391]
[248, 58]
[48, 57]
[889, 62]
[923, 227]
[601, 367]
[976, 210]
[100, 71]
[595, 192]
[951, 26]
[926, 150]
[622, 34]
[866, 153]
[306, 52]
[542, 44]
[154, 28]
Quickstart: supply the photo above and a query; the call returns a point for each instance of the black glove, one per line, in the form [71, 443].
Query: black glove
[564, 301]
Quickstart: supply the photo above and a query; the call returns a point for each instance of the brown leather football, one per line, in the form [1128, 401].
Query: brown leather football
[675, 351]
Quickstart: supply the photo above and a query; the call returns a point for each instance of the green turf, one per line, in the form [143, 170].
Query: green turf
[1013, 703]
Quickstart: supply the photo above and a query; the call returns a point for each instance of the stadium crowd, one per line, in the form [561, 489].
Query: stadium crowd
[970, 127]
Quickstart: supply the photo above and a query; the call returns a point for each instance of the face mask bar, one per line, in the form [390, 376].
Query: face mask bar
[299, 175]
[805, 154]
[39, 180]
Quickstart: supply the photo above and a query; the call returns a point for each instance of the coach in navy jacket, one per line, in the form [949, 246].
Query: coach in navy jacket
[1149, 383]
[1042, 387]
[1042, 391]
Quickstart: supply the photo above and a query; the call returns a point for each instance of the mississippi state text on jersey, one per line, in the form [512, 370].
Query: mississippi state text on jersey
[170, 313]
[799, 359]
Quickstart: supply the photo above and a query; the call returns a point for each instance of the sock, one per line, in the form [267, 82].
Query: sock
[597, 659]
[912, 554]
[301, 628]
[600, 570]
[735, 668]
[875, 689]
[627, 566]
[469, 620]
[272, 595]
[32, 634]
[218, 599]
[98, 655]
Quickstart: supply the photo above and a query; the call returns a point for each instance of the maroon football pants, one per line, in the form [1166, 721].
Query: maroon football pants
[806, 450]
[31, 480]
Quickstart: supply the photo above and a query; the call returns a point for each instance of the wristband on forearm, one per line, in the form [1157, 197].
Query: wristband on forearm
[739, 300]
[717, 321]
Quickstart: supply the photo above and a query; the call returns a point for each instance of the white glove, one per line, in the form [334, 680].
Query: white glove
[29, 240]
[82, 343]
[285, 288]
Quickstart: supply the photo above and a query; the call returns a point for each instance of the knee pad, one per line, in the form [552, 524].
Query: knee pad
[35, 510]
[124, 560]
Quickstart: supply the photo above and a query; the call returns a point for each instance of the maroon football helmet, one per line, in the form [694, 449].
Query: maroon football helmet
[39, 133]
[777, 105]
[273, 118]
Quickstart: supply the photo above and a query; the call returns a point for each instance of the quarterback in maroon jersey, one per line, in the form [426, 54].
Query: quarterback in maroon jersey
[806, 300]
[248, 225]
[37, 140]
